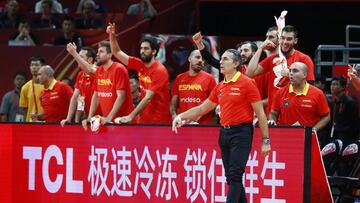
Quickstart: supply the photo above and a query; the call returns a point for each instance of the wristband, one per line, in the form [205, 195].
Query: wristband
[266, 140]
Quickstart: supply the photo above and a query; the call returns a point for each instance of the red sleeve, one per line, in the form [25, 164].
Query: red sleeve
[323, 106]
[212, 84]
[252, 93]
[94, 84]
[76, 86]
[135, 63]
[158, 81]
[175, 87]
[267, 64]
[309, 63]
[276, 104]
[67, 91]
[214, 94]
[121, 78]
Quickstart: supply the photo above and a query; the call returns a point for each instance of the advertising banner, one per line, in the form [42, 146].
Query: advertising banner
[147, 164]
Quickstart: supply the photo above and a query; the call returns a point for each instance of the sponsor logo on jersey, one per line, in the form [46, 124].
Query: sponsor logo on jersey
[105, 94]
[190, 100]
[144, 78]
[194, 87]
[103, 82]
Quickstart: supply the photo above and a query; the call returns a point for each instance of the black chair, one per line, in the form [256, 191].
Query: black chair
[331, 155]
[347, 181]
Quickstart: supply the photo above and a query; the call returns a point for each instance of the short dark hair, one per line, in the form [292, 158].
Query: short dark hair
[133, 76]
[272, 28]
[38, 58]
[236, 57]
[69, 18]
[105, 44]
[341, 79]
[22, 74]
[253, 46]
[90, 52]
[49, 2]
[290, 28]
[153, 43]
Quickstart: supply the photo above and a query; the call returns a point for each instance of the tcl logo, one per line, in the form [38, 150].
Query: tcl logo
[190, 100]
[34, 154]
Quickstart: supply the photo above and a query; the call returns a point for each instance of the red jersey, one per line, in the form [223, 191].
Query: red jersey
[305, 108]
[193, 91]
[55, 101]
[235, 98]
[268, 65]
[259, 80]
[116, 77]
[84, 83]
[156, 79]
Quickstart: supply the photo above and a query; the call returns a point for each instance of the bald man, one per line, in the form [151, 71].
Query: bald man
[300, 103]
[192, 88]
[55, 97]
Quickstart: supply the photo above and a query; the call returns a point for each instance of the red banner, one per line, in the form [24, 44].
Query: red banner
[146, 163]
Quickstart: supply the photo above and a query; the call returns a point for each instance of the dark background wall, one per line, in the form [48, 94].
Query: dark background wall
[318, 23]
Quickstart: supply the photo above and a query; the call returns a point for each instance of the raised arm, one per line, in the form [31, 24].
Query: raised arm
[208, 57]
[83, 64]
[115, 48]
[355, 80]
[254, 68]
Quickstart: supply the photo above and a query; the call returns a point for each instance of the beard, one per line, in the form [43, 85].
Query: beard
[245, 60]
[146, 59]
[287, 52]
[196, 68]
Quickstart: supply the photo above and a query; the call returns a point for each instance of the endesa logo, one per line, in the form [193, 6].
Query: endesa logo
[104, 94]
[190, 100]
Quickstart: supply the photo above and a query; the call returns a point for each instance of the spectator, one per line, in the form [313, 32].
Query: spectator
[56, 6]
[288, 41]
[24, 35]
[90, 19]
[144, 9]
[9, 110]
[11, 17]
[344, 117]
[135, 89]
[30, 92]
[81, 98]
[69, 35]
[21, 8]
[47, 20]
[99, 7]
[192, 88]
[154, 78]
[300, 103]
[112, 88]
[55, 97]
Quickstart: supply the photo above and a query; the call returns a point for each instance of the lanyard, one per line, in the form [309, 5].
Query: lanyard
[33, 91]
